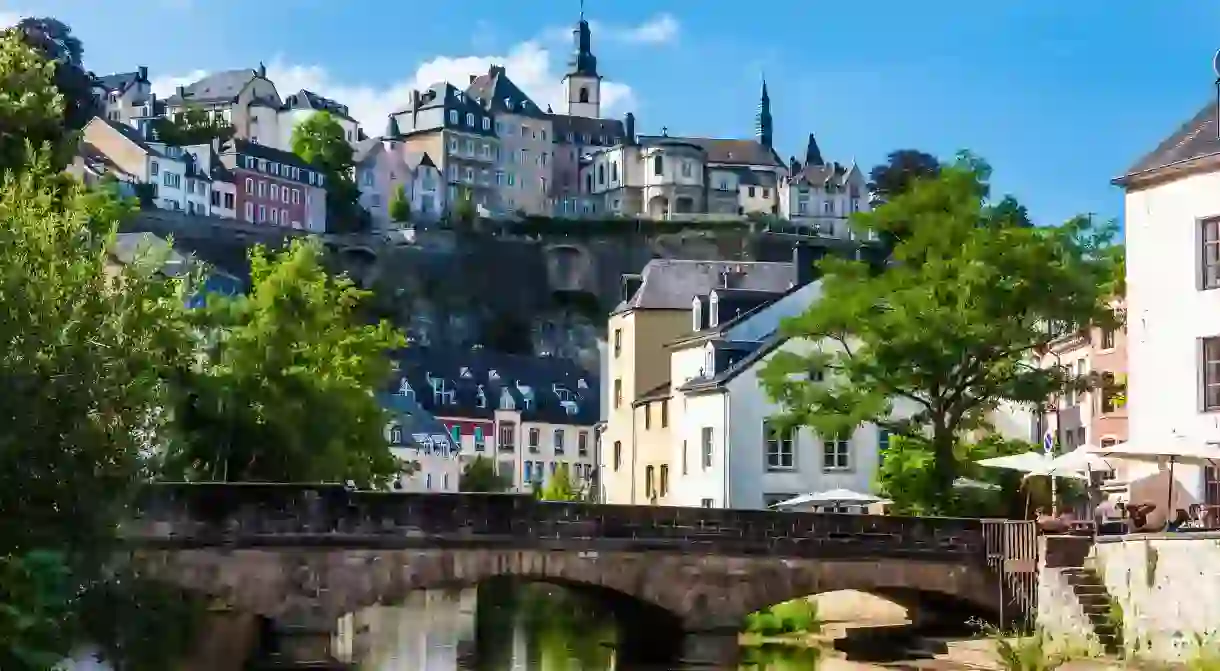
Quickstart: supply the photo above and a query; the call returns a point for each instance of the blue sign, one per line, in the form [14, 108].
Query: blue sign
[1048, 443]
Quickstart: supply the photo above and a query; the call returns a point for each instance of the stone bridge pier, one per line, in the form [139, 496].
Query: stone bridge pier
[680, 580]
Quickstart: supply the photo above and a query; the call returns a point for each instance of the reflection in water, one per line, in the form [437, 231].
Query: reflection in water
[508, 626]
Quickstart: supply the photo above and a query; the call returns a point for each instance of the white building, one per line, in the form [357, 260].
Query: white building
[420, 440]
[1172, 228]
[819, 197]
[383, 166]
[123, 95]
[303, 104]
[526, 149]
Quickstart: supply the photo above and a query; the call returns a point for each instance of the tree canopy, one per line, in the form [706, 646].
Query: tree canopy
[480, 476]
[32, 109]
[321, 140]
[900, 171]
[193, 126]
[282, 390]
[561, 486]
[400, 206]
[953, 326]
[54, 41]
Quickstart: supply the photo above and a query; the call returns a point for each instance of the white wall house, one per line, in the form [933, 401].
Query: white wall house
[418, 438]
[1172, 229]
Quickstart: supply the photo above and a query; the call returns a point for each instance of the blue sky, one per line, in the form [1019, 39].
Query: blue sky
[1058, 96]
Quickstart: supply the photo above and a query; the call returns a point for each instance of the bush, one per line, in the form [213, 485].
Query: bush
[798, 616]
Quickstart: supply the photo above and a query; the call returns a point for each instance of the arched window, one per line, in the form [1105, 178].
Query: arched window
[601, 175]
[589, 182]
[614, 171]
[658, 165]
[249, 185]
[584, 94]
[618, 454]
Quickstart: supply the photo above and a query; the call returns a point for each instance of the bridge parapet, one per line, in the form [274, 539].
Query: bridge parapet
[262, 515]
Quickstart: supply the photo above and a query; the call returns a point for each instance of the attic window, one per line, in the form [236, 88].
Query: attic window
[713, 316]
[404, 389]
[492, 374]
[697, 315]
[481, 397]
[709, 362]
[465, 372]
[506, 401]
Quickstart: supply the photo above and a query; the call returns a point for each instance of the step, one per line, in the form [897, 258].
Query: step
[1094, 599]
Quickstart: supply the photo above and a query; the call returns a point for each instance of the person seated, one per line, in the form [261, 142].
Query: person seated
[1147, 518]
[1180, 520]
[1049, 524]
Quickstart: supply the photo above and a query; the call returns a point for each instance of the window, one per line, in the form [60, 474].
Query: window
[172, 180]
[262, 213]
[275, 192]
[664, 484]
[453, 117]
[250, 212]
[154, 169]
[883, 440]
[1108, 390]
[486, 124]
[455, 432]
[684, 460]
[250, 186]
[262, 188]
[296, 196]
[658, 165]
[614, 171]
[648, 480]
[275, 216]
[453, 145]
[508, 437]
[582, 444]
[618, 454]
[284, 217]
[780, 455]
[618, 342]
[601, 175]
[215, 199]
[533, 439]
[584, 94]
[1211, 374]
[836, 452]
[469, 147]
[706, 439]
[647, 416]
[228, 201]
[707, 503]
[396, 435]
[479, 442]
[558, 437]
[1107, 338]
[664, 413]
[766, 193]
[686, 169]
[1210, 254]
[618, 394]
[470, 119]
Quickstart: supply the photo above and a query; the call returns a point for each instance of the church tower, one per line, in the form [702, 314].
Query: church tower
[762, 123]
[582, 83]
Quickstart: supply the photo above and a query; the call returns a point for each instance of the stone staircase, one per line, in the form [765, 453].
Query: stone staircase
[1097, 605]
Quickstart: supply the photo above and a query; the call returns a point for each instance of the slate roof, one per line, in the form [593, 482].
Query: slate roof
[306, 99]
[611, 129]
[119, 81]
[419, 429]
[495, 92]
[415, 159]
[269, 153]
[216, 87]
[131, 134]
[447, 382]
[733, 358]
[673, 284]
[366, 149]
[1194, 139]
[735, 152]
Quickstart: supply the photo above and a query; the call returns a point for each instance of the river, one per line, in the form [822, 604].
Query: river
[514, 627]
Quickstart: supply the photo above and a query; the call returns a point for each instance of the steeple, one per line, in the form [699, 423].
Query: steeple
[813, 155]
[583, 62]
[391, 128]
[762, 123]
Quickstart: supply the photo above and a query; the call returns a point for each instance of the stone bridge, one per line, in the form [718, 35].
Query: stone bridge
[305, 555]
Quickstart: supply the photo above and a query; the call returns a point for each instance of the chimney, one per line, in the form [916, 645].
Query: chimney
[804, 258]
[142, 73]
[631, 284]
[262, 70]
[180, 91]
[629, 129]
[794, 166]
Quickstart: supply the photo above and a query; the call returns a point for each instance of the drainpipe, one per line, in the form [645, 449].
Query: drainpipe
[724, 408]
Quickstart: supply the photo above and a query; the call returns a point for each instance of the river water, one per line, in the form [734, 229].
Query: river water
[511, 627]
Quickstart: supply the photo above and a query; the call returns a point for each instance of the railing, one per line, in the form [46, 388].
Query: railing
[179, 515]
[1012, 554]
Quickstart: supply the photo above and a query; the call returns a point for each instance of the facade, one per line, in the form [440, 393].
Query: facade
[274, 187]
[656, 310]
[532, 416]
[303, 104]
[1091, 417]
[383, 165]
[818, 197]
[1172, 216]
[179, 181]
[454, 130]
[123, 96]
[244, 98]
[431, 459]
[525, 161]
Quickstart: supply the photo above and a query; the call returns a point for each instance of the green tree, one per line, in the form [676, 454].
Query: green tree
[952, 327]
[907, 477]
[283, 389]
[900, 171]
[88, 347]
[193, 126]
[321, 140]
[400, 206]
[54, 42]
[463, 212]
[562, 487]
[480, 476]
[32, 110]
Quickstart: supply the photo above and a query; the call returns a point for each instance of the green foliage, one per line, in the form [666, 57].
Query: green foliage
[798, 616]
[1206, 655]
[31, 107]
[928, 347]
[88, 349]
[193, 126]
[400, 206]
[907, 477]
[54, 42]
[282, 387]
[562, 487]
[480, 476]
[1025, 653]
[900, 171]
[321, 141]
[464, 215]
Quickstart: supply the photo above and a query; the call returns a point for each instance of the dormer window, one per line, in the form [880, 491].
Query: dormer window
[405, 389]
[696, 314]
[481, 397]
[506, 401]
[713, 304]
[493, 374]
[465, 372]
[396, 435]
[709, 362]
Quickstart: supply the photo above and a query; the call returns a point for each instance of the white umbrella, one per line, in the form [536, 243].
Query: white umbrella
[1032, 463]
[1080, 460]
[1178, 449]
[967, 483]
[833, 497]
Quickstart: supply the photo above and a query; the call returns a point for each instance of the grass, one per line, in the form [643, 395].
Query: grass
[798, 616]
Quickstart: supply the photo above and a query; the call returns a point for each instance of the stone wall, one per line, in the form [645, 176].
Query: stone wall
[1168, 586]
[1060, 614]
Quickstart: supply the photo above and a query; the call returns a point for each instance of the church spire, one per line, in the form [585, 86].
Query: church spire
[583, 62]
[762, 123]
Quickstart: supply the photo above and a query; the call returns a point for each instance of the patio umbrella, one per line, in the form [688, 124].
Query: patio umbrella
[833, 497]
[1031, 463]
[967, 483]
[1176, 450]
[1080, 460]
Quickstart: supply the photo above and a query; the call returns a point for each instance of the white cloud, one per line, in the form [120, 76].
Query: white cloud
[10, 19]
[657, 30]
[530, 65]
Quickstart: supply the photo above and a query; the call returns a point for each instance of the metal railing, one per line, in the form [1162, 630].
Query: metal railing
[1012, 555]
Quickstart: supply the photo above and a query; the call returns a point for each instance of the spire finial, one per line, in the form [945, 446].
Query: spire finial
[582, 10]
